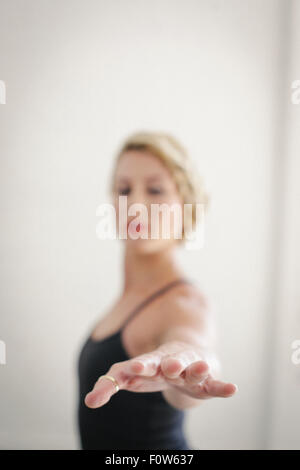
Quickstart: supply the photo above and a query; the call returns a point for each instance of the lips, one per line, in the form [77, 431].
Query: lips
[138, 226]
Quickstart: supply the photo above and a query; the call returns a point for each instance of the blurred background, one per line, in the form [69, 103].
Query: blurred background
[79, 77]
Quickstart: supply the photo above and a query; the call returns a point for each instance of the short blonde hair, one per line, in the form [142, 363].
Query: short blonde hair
[176, 158]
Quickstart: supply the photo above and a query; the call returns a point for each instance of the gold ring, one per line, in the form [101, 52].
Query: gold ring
[110, 377]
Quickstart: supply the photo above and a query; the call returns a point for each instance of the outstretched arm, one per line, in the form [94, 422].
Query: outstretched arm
[183, 366]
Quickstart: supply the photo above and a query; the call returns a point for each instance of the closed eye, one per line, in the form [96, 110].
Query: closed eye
[155, 190]
[124, 191]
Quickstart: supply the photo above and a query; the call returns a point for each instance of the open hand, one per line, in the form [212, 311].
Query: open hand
[173, 364]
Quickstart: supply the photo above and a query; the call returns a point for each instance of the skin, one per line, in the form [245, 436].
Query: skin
[180, 359]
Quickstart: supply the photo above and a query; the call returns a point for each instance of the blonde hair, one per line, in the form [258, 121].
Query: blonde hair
[175, 157]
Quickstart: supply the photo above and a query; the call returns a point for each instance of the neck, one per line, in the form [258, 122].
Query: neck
[145, 272]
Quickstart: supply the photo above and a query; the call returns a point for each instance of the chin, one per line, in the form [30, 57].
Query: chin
[148, 246]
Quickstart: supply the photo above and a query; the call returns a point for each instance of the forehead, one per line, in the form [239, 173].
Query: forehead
[141, 163]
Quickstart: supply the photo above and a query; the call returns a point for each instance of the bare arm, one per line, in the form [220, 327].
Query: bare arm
[191, 329]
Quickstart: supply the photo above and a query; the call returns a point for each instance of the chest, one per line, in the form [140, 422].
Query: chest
[139, 325]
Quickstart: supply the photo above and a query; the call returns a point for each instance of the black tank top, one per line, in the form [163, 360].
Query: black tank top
[130, 420]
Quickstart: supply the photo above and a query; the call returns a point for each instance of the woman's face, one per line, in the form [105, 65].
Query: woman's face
[143, 179]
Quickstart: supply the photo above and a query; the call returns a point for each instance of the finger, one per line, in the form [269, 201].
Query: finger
[216, 388]
[104, 388]
[174, 364]
[100, 394]
[147, 364]
[196, 372]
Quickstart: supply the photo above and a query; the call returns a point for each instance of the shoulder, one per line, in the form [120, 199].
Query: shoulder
[188, 305]
[189, 298]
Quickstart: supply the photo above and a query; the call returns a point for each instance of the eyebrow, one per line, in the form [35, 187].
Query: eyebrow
[149, 179]
[154, 177]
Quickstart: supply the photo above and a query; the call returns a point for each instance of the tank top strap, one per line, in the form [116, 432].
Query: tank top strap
[153, 296]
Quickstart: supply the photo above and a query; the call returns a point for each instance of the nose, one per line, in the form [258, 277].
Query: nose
[138, 196]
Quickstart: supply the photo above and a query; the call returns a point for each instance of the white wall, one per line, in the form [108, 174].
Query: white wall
[284, 407]
[79, 77]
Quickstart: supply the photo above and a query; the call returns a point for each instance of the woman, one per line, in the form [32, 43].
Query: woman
[152, 355]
